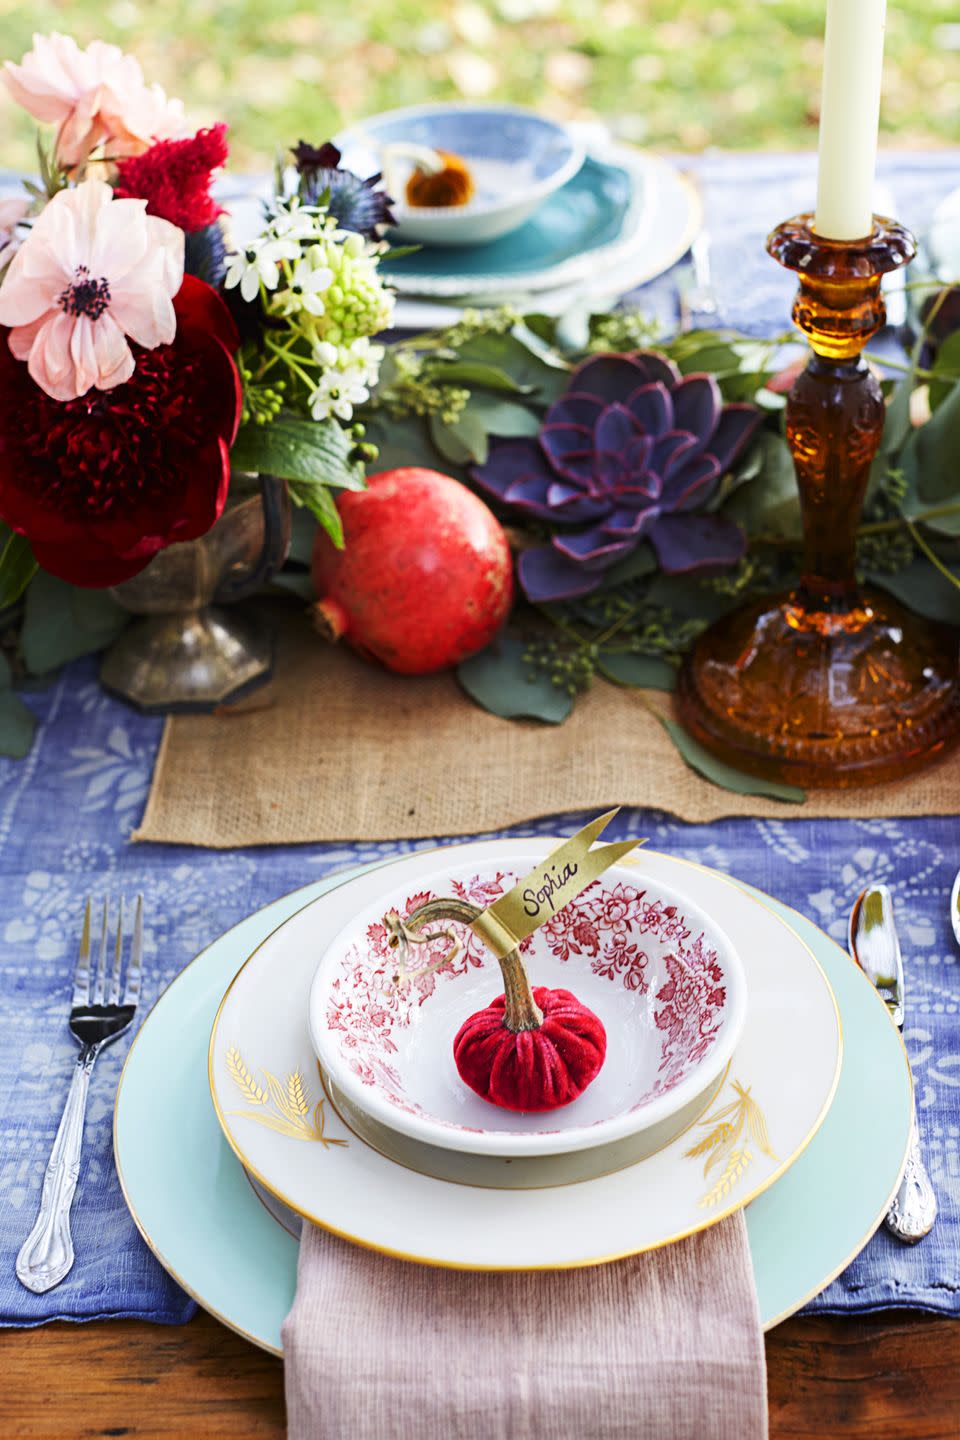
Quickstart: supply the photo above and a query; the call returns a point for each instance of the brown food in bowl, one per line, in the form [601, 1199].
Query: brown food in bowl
[453, 185]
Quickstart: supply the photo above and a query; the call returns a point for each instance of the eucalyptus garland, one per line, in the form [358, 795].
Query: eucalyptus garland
[449, 397]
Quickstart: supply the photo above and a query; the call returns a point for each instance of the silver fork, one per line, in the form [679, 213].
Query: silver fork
[98, 1016]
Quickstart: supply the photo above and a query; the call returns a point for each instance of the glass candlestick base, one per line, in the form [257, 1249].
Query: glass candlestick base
[821, 699]
[830, 685]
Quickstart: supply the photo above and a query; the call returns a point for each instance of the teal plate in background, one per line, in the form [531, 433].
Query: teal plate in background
[587, 212]
[191, 1200]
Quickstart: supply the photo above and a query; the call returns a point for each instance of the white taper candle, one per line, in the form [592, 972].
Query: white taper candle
[849, 117]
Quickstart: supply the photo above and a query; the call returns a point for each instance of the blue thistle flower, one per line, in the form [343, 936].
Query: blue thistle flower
[355, 204]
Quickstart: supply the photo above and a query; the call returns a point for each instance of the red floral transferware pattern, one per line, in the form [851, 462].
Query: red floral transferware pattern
[611, 926]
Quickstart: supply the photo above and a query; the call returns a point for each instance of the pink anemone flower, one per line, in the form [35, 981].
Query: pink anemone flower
[92, 273]
[92, 96]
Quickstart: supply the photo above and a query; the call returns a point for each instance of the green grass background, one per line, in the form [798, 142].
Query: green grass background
[677, 74]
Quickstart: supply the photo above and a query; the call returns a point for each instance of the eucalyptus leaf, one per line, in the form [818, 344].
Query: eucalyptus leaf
[931, 456]
[642, 560]
[17, 566]
[922, 588]
[649, 672]
[17, 726]
[769, 504]
[946, 370]
[474, 373]
[499, 681]
[311, 452]
[303, 533]
[401, 443]
[725, 776]
[748, 385]
[543, 326]
[573, 329]
[525, 365]
[62, 622]
[687, 599]
[17, 721]
[716, 356]
[533, 342]
[503, 417]
[464, 440]
[687, 343]
[896, 425]
[322, 505]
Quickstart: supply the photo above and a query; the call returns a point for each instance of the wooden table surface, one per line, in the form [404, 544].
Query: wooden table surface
[890, 1377]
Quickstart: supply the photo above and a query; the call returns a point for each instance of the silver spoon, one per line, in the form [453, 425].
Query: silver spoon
[875, 946]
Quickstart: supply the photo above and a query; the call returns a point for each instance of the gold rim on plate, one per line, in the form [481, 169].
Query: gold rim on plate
[712, 1219]
[261, 1344]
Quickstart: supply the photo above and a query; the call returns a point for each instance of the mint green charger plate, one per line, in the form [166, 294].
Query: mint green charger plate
[191, 1201]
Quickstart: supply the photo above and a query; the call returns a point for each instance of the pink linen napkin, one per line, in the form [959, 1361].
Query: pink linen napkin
[664, 1346]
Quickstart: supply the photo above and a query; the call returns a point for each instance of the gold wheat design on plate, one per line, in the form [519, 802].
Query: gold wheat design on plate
[726, 1144]
[287, 1109]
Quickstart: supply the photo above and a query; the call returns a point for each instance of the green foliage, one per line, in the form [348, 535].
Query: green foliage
[306, 452]
[17, 721]
[532, 365]
[946, 370]
[17, 566]
[500, 680]
[931, 460]
[924, 589]
[487, 375]
[740, 366]
[722, 775]
[763, 491]
[647, 672]
[313, 456]
[62, 622]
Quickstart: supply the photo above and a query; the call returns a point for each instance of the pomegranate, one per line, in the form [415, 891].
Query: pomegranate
[425, 578]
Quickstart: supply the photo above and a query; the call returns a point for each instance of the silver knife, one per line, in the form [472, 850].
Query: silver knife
[875, 946]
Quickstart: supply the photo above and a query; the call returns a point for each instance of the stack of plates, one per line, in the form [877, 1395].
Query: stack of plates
[601, 218]
[749, 1063]
[622, 220]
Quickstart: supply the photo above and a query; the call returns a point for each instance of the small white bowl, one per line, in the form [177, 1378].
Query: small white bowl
[663, 978]
[517, 158]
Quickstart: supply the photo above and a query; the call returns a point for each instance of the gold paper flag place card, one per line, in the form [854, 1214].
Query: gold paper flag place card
[554, 883]
[496, 1050]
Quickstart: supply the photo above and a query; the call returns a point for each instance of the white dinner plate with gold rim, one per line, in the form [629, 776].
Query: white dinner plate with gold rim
[286, 1133]
[192, 1203]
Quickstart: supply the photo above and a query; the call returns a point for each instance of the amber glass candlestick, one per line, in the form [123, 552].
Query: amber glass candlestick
[830, 684]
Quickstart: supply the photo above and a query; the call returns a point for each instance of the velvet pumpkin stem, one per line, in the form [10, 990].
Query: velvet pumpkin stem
[521, 1011]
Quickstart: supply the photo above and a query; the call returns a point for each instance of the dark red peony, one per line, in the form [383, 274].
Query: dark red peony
[100, 484]
[536, 1069]
[174, 177]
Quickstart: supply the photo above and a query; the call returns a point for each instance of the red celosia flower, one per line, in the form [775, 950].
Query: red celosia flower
[174, 176]
[98, 485]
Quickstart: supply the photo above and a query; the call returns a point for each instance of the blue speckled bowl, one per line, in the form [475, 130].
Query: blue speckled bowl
[517, 159]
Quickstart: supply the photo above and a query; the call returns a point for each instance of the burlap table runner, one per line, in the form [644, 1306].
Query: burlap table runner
[337, 749]
[666, 1346]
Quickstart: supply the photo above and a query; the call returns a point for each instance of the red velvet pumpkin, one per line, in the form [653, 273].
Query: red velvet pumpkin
[528, 1050]
[539, 1069]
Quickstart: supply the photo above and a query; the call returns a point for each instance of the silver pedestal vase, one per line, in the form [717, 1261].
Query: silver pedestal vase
[189, 652]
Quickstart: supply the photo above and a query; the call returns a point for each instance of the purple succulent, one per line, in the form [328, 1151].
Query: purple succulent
[633, 450]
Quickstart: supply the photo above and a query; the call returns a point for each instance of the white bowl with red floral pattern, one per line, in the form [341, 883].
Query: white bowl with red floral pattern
[661, 975]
